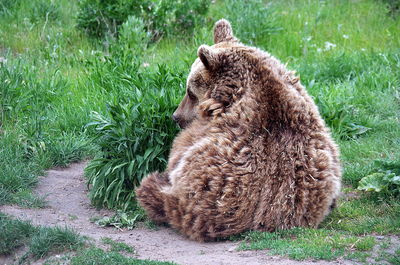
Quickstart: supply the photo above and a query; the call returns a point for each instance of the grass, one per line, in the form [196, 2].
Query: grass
[99, 257]
[117, 246]
[55, 77]
[301, 243]
[14, 233]
[364, 216]
[49, 240]
[39, 241]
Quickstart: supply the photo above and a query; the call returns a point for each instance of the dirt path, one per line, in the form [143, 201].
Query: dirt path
[68, 205]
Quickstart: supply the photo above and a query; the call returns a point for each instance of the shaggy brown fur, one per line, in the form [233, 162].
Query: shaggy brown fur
[255, 153]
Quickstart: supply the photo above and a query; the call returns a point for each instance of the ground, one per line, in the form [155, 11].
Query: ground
[68, 205]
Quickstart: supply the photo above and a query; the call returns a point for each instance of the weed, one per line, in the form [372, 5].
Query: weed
[133, 35]
[123, 219]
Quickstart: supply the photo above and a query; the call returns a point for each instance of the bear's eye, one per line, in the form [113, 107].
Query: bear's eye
[191, 95]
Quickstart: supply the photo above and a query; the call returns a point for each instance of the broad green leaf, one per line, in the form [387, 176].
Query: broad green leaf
[374, 182]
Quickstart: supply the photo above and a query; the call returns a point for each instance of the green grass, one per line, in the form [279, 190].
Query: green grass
[98, 256]
[44, 242]
[39, 241]
[14, 233]
[117, 246]
[362, 216]
[301, 243]
[48, 240]
[346, 53]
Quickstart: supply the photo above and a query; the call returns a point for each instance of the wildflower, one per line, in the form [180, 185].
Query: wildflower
[329, 45]
[345, 36]
[308, 38]
[319, 50]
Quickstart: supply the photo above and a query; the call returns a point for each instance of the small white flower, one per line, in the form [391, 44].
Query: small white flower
[319, 50]
[146, 64]
[363, 49]
[345, 36]
[308, 38]
[329, 45]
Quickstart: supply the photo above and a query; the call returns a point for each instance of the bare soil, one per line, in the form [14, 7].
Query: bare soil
[68, 205]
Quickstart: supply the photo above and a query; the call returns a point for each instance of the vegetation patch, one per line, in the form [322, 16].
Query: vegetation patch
[301, 243]
[98, 256]
[134, 138]
[361, 216]
[104, 18]
[14, 233]
[117, 246]
[39, 241]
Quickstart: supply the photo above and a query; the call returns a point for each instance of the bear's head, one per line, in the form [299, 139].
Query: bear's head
[216, 77]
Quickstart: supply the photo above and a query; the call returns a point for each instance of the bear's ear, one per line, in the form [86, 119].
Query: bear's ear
[208, 57]
[223, 31]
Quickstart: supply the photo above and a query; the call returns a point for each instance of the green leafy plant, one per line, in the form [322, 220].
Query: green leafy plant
[386, 182]
[99, 18]
[133, 35]
[104, 18]
[123, 219]
[134, 137]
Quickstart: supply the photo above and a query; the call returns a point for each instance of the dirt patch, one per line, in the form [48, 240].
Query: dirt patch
[68, 205]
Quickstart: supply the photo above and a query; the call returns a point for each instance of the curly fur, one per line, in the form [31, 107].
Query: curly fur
[255, 154]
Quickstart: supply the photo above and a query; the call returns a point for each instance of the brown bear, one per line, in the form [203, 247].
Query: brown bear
[254, 154]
